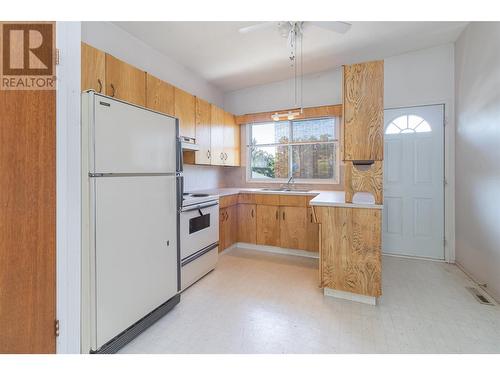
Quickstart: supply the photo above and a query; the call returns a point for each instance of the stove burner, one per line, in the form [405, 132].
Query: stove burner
[199, 195]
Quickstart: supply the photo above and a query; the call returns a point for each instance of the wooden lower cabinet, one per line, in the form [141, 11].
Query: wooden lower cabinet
[268, 225]
[293, 227]
[228, 227]
[350, 254]
[312, 230]
[247, 223]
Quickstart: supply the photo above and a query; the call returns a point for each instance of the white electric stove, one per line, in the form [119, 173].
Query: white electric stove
[199, 236]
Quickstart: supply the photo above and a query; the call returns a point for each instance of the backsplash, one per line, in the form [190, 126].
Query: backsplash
[236, 177]
[200, 177]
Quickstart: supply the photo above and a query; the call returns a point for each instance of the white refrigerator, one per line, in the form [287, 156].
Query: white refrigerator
[132, 177]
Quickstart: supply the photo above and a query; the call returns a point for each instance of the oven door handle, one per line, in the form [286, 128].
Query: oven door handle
[199, 206]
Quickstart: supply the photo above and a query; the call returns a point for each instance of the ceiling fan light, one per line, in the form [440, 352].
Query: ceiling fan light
[275, 117]
[291, 116]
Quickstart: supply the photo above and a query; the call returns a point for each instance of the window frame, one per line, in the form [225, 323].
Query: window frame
[318, 181]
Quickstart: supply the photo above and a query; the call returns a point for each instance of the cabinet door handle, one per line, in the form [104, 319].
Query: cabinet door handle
[252, 212]
[225, 156]
[100, 85]
[311, 218]
[227, 216]
[222, 156]
[113, 88]
[208, 154]
[283, 215]
[277, 216]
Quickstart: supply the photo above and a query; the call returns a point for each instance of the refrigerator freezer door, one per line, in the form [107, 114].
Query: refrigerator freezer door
[136, 259]
[130, 139]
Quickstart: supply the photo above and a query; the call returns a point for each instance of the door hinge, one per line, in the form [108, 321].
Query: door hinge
[445, 121]
[58, 56]
[56, 328]
[445, 182]
[445, 242]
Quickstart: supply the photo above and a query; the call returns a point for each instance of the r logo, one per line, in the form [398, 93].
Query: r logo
[27, 61]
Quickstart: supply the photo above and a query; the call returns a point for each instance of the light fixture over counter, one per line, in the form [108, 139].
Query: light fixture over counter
[288, 115]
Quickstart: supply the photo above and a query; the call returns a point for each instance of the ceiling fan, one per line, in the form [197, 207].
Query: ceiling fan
[285, 27]
[294, 31]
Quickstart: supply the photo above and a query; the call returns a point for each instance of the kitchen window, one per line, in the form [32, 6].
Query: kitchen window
[306, 150]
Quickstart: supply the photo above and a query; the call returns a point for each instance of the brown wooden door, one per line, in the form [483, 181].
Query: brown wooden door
[185, 111]
[203, 124]
[293, 222]
[268, 225]
[27, 221]
[125, 82]
[247, 223]
[312, 232]
[159, 95]
[364, 111]
[93, 66]
[231, 140]
[217, 136]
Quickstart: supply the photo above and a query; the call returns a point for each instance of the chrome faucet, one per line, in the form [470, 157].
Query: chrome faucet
[290, 181]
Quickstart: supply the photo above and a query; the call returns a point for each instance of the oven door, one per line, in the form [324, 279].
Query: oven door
[199, 227]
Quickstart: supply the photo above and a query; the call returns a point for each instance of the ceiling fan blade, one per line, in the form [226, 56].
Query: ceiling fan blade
[337, 26]
[257, 26]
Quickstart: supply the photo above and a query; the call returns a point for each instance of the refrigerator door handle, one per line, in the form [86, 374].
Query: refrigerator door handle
[180, 191]
[180, 160]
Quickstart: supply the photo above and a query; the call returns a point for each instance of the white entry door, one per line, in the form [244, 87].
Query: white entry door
[413, 222]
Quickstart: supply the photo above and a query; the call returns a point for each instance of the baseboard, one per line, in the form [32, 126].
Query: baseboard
[275, 250]
[415, 258]
[369, 300]
[477, 283]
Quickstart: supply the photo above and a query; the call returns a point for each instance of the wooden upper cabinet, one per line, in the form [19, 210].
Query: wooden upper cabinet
[247, 223]
[293, 227]
[364, 111]
[217, 135]
[231, 140]
[268, 225]
[125, 82]
[203, 125]
[93, 69]
[159, 95]
[185, 108]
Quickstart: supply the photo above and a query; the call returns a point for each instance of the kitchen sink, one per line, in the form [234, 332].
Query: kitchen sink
[286, 190]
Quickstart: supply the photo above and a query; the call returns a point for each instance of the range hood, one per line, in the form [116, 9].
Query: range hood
[189, 144]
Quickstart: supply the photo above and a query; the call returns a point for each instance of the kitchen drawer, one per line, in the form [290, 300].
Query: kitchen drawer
[228, 200]
[199, 267]
[293, 200]
[246, 198]
[267, 199]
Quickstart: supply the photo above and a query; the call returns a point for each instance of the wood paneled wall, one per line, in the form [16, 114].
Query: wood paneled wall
[27, 221]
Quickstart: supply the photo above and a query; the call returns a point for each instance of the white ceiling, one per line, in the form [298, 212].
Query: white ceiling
[231, 60]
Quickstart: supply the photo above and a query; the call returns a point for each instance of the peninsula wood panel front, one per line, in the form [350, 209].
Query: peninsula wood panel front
[28, 222]
[268, 225]
[350, 251]
[364, 178]
[93, 66]
[364, 111]
[159, 95]
[125, 82]
[247, 223]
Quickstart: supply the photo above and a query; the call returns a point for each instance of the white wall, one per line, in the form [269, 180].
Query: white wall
[319, 89]
[477, 59]
[110, 38]
[415, 78]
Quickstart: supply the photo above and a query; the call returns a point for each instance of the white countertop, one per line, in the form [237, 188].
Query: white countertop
[322, 198]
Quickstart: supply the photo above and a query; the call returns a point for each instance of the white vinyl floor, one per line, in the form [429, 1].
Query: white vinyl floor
[258, 302]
